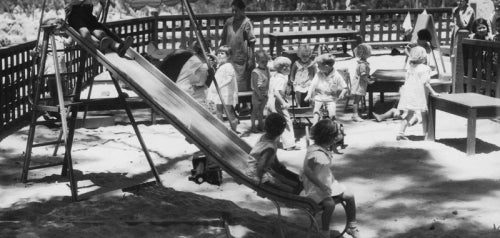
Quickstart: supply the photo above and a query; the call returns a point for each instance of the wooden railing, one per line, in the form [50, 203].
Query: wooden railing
[481, 68]
[173, 32]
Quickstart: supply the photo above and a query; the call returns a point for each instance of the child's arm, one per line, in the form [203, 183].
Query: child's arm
[343, 85]
[312, 87]
[431, 90]
[309, 173]
[279, 94]
[264, 163]
[254, 84]
[225, 78]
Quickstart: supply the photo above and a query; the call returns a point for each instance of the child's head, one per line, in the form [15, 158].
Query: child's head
[418, 55]
[363, 51]
[304, 53]
[325, 63]
[274, 125]
[424, 37]
[261, 58]
[282, 65]
[480, 27]
[224, 54]
[324, 132]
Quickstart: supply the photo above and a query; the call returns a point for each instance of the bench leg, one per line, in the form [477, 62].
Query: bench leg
[431, 126]
[370, 104]
[471, 131]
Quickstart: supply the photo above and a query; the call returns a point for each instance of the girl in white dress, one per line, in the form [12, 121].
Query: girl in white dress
[413, 99]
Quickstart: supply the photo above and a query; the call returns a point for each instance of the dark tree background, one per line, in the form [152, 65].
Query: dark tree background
[28, 6]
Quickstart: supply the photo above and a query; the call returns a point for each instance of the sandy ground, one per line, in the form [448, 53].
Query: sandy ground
[407, 189]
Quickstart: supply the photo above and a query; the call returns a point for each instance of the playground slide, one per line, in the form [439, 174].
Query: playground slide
[195, 122]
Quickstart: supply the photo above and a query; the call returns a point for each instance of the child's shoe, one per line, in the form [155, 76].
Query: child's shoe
[105, 43]
[356, 118]
[401, 137]
[122, 49]
[377, 117]
[353, 231]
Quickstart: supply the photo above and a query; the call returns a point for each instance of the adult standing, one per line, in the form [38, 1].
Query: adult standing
[494, 16]
[238, 35]
[463, 17]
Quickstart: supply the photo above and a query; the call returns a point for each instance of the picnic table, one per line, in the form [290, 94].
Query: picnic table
[345, 35]
[472, 106]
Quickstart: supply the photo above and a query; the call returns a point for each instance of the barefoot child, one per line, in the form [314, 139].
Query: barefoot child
[302, 73]
[277, 99]
[325, 87]
[264, 167]
[260, 87]
[319, 182]
[361, 78]
[79, 16]
[413, 99]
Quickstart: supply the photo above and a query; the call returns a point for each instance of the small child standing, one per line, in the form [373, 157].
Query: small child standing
[264, 166]
[79, 16]
[413, 99]
[319, 181]
[361, 78]
[226, 80]
[277, 100]
[260, 87]
[325, 87]
[302, 73]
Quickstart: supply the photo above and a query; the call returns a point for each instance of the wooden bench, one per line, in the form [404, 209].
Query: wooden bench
[391, 44]
[472, 106]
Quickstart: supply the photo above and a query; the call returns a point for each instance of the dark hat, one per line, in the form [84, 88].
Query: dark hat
[239, 4]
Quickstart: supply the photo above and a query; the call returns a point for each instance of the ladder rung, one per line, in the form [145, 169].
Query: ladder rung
[55, 108]
[45, 166]
[48, 143]
[62, 74]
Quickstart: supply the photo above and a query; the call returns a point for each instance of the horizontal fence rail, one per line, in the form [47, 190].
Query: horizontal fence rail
[175, 32]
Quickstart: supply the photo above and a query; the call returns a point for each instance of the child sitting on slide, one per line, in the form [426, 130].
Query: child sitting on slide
[264, 167]
[79, 16]
[320, 184]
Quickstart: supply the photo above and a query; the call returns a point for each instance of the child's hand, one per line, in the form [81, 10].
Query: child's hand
[342, 96]
[435, 94]
[307, 98]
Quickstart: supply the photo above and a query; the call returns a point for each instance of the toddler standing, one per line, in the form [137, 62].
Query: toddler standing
[302, 73]
[226, 80]
[361, 77]
[325, 87]
[260, 87]
[413, 99]
[277, 99]
[320, 183]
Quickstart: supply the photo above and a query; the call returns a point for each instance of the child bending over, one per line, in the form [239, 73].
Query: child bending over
[277, 100]
[325, 87]
[413, 98]
[264, 166]
[320, 183]
[361, 78]
[79, 16]
[260, 87]
[302, 73]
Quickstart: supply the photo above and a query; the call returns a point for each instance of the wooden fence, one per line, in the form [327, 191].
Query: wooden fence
[481, 68]
[173, 32]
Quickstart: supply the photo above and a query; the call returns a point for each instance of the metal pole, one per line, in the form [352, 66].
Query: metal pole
[201, 41]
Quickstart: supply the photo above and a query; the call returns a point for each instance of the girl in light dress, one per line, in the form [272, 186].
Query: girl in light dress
[413, 99]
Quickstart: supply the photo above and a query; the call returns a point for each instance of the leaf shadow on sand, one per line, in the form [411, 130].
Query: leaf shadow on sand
[427, 193]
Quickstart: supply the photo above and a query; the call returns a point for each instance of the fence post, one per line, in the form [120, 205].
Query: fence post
[154, 28]
[458, 63]
[362, 22]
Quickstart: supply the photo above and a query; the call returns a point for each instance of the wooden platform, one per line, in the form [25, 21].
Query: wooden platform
[472, 106]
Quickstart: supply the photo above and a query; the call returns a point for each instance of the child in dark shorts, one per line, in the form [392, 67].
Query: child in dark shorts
[79, 16]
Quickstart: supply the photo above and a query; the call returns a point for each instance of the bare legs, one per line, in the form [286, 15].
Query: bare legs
[355, 108]
[233, 120]
[328, 208]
